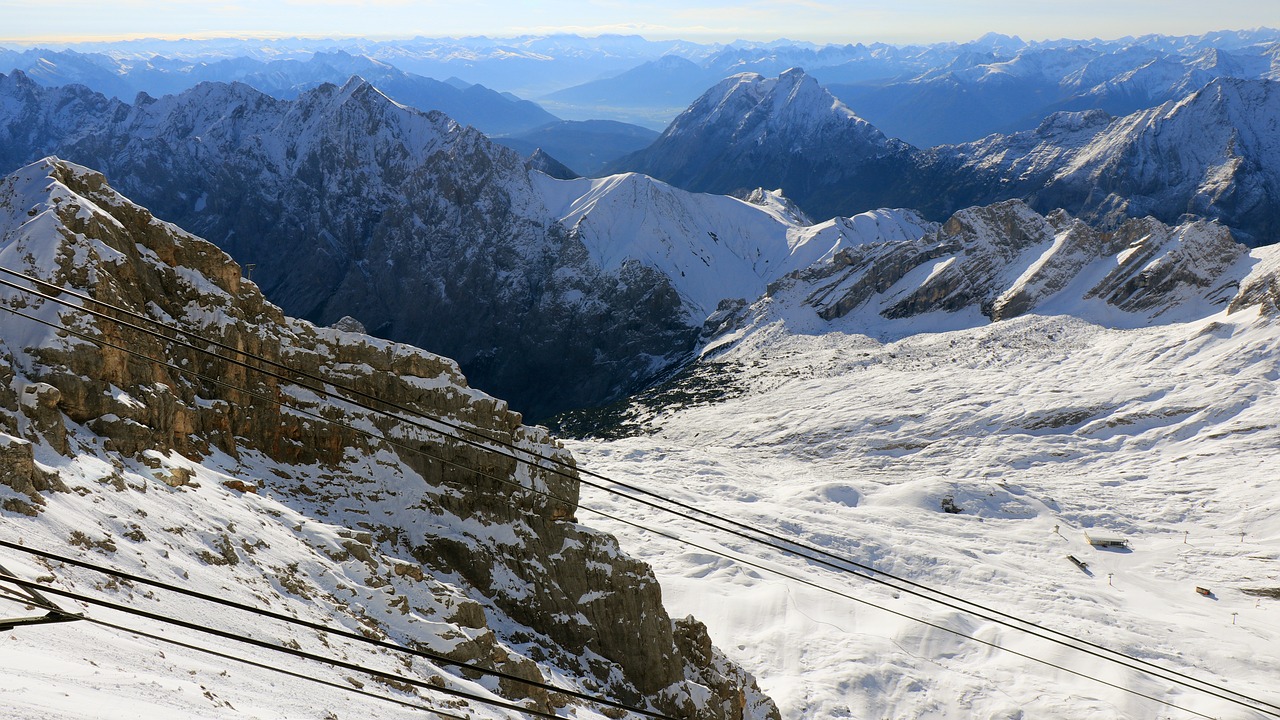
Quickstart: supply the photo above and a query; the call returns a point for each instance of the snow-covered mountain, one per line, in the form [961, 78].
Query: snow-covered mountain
[785, 132]
[1013, 88]
[260, 490]
[284, 78]
[960, 410]
[1214, 153]
[712, 248]
[554, 294]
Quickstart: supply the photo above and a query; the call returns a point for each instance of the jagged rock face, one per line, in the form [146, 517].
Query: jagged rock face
[36, 120]
[1006, 260]
[489, 542]
[786, 132]
[1213, 154]
[417, 227]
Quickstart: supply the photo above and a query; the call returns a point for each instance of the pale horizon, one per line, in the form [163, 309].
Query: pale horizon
[73, 22]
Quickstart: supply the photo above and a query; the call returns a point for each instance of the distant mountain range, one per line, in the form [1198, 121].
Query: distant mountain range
[1213, 153]
[486, 110]
[554, 294]
[980, 94]
[945, 92]
[565, 293]
[995, 83]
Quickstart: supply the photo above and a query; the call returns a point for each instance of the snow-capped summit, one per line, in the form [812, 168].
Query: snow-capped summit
[711, 248]
[793, 101]
[750, 131]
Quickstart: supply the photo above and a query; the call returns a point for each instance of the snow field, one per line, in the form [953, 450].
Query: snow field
[1165, 436]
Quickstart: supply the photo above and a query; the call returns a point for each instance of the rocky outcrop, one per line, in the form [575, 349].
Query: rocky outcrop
[544, 163]
[1159, 262]
[1261, 288]
[1006, 260]
[491, 543]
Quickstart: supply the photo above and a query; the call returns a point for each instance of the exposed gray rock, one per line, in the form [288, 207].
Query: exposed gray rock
[1006, 260]
[346, 323]
[544, 163]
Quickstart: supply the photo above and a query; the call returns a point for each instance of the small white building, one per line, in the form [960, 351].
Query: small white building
[1106, 541]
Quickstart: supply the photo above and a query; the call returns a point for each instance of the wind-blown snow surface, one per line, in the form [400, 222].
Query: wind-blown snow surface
[851, 434]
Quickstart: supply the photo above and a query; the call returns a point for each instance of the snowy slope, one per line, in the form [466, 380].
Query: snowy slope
[711, 247]
[856, 434]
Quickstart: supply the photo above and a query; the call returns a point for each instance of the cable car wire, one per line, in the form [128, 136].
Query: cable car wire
[834, 561]
[227, 635]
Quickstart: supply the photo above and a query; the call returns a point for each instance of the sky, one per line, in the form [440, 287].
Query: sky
[27, 22]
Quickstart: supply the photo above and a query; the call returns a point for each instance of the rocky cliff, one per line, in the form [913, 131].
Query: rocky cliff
[170, 462]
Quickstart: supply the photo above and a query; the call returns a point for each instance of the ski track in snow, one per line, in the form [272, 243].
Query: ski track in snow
[1156, 434]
